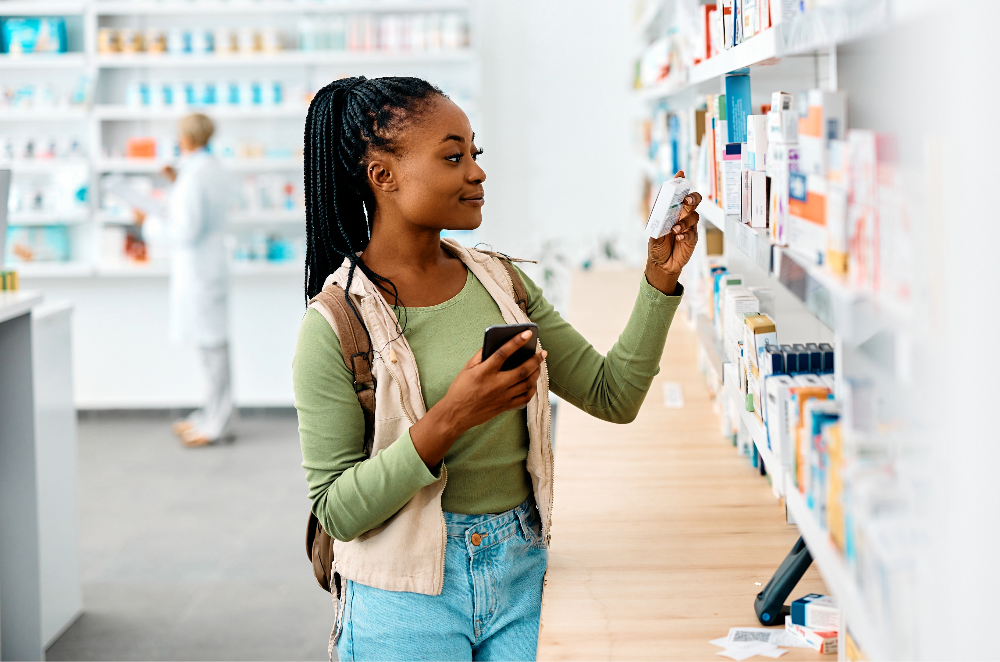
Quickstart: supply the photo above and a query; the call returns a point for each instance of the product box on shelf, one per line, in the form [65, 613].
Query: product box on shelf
[800, 428]
[738, 106]
[825, 119]
[759, 199]
[757, 141]
[731, 169]
[837, 179]
[738, 302]
[32, 35]
[806, 232]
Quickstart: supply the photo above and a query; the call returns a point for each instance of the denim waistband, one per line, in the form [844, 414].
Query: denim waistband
[492, 528]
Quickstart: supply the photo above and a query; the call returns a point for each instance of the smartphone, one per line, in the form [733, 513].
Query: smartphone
[498, 335]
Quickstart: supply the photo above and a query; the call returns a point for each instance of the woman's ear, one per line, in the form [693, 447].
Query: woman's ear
[381, 178]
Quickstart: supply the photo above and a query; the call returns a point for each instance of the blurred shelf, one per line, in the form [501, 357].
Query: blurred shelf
[652, 10]
[706, 336]
[126, 113]
[47, 217]
[235, 165]
[42, 165]
[133, 271]
[281, 58]
[16, 303]
[268, 216]
[757, 431]
[42, 61]
[42, 114]
[265, 268]
[836, 574]
[242, 7]
[41, 7]
[54, 269]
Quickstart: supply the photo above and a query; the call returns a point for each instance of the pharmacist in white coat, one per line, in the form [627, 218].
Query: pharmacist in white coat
[199, 278]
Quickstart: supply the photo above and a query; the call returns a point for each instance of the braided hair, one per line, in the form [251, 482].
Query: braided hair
[346, 120]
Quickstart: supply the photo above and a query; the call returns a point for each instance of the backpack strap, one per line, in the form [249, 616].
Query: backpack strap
[356, 348]
[520, 292]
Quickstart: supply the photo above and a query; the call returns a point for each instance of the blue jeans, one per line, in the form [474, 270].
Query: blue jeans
[489, 607]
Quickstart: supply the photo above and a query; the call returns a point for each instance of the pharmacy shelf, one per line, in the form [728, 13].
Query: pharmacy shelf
[31, 166]
[46, 217]
[43, 115]
[219, 112]
[133, 271]
[234, 165]
[706, 335]
[264, 268]
[282, 59]
[243, 7]
[17, 303]
[42, 61]
[757, 431]
[836, 574]
[41, 8]
[652, 10]
[267, 216]
[54, 270]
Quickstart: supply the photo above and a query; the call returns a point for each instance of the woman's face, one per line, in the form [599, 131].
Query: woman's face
[432, 180]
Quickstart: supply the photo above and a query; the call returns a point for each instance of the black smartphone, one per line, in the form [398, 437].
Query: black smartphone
[498, 335]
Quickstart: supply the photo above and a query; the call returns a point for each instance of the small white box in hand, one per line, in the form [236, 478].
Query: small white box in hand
[667, 207]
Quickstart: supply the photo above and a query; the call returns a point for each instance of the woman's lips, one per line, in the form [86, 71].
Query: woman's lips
[477, 201]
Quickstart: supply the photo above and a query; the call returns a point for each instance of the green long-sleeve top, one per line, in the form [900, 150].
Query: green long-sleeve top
[352, 494]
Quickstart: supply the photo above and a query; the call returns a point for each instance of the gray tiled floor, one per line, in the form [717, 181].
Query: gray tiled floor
[194, 554]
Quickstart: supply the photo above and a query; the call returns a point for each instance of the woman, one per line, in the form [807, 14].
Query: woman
[199, 280]
[390, 163]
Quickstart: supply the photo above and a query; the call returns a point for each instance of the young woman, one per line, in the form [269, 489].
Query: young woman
[442, 529]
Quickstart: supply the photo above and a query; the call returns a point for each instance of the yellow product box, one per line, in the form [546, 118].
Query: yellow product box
[758, 332]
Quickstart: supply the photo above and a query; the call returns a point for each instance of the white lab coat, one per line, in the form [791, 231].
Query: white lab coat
[195, 230]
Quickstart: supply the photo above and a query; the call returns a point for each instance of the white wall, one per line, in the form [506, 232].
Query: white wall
[557, 129]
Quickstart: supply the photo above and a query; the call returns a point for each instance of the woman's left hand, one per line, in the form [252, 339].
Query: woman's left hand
[668, 254]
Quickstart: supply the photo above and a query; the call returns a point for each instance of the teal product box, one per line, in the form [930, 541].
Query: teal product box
[32, 35]
[738, 106]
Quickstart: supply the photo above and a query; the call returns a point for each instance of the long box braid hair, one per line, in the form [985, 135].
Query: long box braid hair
[346, 120]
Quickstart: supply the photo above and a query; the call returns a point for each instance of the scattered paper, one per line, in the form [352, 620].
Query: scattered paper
[673, 396]
[746, 651]
[721, 642]
[753, 635]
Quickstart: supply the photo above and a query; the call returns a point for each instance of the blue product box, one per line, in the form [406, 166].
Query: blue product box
[32, 35]
[738, 106]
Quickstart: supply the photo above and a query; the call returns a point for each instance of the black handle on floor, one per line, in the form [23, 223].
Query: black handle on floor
[770, 603]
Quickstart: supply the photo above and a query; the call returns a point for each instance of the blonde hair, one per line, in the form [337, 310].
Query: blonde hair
[198, 127]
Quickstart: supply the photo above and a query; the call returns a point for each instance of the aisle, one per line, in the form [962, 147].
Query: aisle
[660, 530]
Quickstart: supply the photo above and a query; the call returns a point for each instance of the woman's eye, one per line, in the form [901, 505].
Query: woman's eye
[454, 158]
[476, 154]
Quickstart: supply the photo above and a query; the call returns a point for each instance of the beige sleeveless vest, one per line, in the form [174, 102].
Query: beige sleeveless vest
[407, 552]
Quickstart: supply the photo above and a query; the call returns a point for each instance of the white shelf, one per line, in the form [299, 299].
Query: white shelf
[234, 165]
[242, 7]
[54, 270]
[218, 112]
[14, 304]
[41, 8]
[706, 335]
[47, 217]
[281, 216]
[757, 431]
[281, 58]
[42, 165]
[836, 575]
[133, 271]
[42, 114]
[265, 268]
[42, 61]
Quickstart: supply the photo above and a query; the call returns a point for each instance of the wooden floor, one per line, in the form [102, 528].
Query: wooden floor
[660, 531]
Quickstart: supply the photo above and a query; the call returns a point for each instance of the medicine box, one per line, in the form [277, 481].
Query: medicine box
[825, 120]
[758, 332]
[667, 207]
[816, 611]
[824, 642]
[731, 168]
[806, 231]
[757, 141]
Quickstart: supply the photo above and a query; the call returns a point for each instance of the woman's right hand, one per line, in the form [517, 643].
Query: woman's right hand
[479, 392]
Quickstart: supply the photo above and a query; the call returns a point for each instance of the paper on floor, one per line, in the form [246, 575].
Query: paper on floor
[721, 642]
[770, 636]
[746, 651]
[673, 396]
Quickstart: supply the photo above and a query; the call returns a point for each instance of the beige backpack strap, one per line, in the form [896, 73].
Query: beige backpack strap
[520, 292]
[356, 348]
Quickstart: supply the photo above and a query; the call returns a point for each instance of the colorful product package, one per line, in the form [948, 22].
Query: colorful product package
[667, 207]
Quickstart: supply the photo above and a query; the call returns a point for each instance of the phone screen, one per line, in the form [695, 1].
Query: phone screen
[498, 335]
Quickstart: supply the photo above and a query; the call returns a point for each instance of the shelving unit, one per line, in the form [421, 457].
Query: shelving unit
[808, 291]
[251, 7]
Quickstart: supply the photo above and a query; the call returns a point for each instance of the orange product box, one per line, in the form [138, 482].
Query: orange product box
[140, 148]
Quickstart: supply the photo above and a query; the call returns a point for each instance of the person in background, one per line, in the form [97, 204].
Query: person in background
[199, 278]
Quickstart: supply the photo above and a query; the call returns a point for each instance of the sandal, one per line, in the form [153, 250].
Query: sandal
[192, 438]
